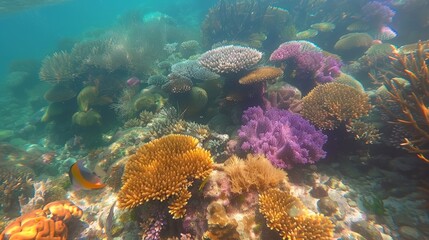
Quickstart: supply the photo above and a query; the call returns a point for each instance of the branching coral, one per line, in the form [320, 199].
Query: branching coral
[413, 99]
[254, 173]
[287, 215]
[163, 169]
[329, 105]
[14, 181]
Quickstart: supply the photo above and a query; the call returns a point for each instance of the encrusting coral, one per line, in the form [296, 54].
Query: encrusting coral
[220, 226]
[328, 105]
[287, 215]
[46, 223]
[254, 173]
[163, 169]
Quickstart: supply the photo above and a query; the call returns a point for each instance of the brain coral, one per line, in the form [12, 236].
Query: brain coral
[328, 105]
[163, 169]
[287, 215]
[230, 59]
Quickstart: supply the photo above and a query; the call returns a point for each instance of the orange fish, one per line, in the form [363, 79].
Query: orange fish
[82, 178]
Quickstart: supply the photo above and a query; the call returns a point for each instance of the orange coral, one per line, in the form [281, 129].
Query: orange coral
[164, 169]
[62, 210]
[254, 173]
[287, 215]
[41, 225]
[330, 104]
[261, 74]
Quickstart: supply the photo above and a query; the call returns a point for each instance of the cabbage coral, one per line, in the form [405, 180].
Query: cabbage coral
[287, 215]
[164, 169]
[329, 105]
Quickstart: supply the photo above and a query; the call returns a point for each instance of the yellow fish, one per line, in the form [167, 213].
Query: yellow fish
[309, 33]
[323, 26]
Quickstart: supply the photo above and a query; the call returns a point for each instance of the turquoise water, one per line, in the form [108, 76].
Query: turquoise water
[217, 119]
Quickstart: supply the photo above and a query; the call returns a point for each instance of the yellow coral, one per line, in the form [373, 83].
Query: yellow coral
[164, 169]
[62, 210]
[287, 215]
[254, 173]
[330, 104]
[261, 74]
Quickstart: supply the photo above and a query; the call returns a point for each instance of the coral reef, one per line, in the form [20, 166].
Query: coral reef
[164, 169]
[329, 105]
[287, 215]
[285, 138]
[230, 59]
[283, 96]
[253, 173]
[193, 70]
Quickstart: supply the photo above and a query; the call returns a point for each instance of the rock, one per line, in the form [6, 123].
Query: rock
[351, 203]
[367, 230]
[327, 206]
[409, 233]
[350, 235]
[319, 191]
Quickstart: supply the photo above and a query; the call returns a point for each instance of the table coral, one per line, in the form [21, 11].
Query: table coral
[287, 215]
[163, 169]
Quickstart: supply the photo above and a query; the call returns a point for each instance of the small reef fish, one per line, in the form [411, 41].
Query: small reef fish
[323, 26]
[134, 81]
[309, 33]
[82, 178]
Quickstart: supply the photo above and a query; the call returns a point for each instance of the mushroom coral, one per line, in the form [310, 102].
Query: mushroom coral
[164, 169]
[287, 215]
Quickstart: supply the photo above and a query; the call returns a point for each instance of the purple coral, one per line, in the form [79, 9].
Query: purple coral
[285, 138]
[309, 62]
[377, 12]
[230, 59]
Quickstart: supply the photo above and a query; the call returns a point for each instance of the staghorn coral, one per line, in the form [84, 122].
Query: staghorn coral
[58, 68]
[261, 74]
[253, 173]
[287, 215]
[14, 181]
[164, 169]
[329, 105]
[47, 223]
[230, 59]
[410, 94]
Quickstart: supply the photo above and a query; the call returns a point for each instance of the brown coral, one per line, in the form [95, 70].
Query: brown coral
[58, 68]
[254, 173]
[287, 215]
[261, 74]
[220, 226]
[328, 105]
[164, 169]
[43, 224]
